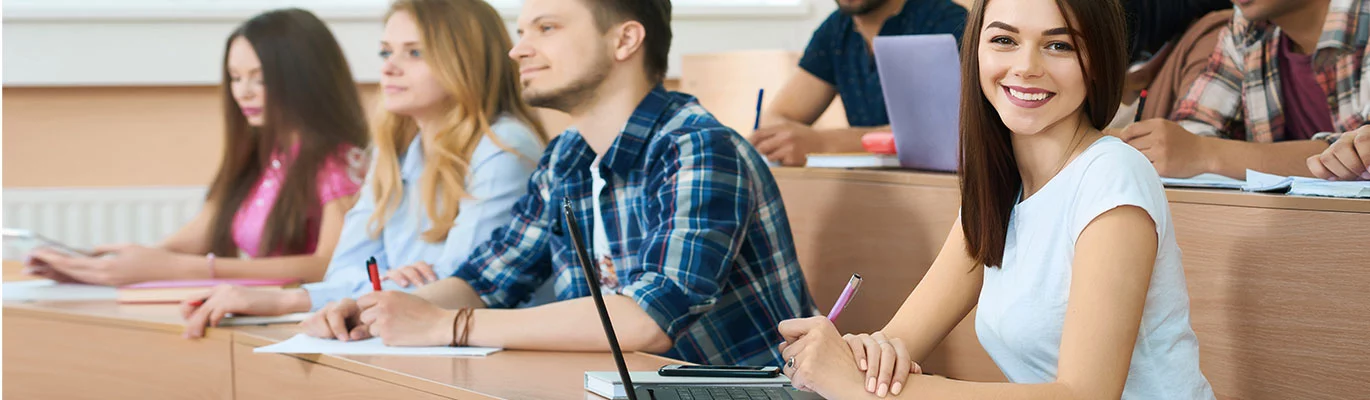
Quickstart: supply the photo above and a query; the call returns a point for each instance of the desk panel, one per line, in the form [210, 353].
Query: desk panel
[1279, 290]
[1281, 307]
[52, 354]
[273, 376]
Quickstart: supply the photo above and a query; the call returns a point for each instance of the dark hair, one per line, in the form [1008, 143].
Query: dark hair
[309, 94]
[990, 180]
[1152, 23]
[655, 17]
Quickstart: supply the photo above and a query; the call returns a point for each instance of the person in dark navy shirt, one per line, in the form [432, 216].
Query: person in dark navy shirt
[839, 62]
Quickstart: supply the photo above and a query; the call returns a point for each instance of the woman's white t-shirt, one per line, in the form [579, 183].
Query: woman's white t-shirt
[1023, 304]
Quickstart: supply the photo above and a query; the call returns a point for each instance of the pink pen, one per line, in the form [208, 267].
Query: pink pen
[847, 294]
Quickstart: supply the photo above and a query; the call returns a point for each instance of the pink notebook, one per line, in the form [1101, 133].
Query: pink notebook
[162, 292]
[207, 283]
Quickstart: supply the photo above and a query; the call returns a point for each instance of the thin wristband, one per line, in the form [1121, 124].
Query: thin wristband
[466, 330]
[210, 257]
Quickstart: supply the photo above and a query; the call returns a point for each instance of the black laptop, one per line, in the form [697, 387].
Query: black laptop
[660, 392]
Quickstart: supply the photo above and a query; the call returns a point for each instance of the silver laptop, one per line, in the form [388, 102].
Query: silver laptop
[660, 392]
[921, 77]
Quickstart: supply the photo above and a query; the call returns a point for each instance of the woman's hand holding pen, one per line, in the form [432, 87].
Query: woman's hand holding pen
[816, 358]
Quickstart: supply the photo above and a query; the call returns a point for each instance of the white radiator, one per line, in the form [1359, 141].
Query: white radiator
[86, 217]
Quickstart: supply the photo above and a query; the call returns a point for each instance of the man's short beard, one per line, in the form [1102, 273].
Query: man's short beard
[863, 9]
[567, 98]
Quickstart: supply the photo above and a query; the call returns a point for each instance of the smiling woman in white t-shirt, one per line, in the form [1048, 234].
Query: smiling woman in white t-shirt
[1065, 240]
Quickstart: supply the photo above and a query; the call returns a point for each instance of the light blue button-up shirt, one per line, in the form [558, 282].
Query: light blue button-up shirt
[496, 181]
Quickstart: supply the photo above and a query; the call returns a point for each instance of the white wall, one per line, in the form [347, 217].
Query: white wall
[65, 43]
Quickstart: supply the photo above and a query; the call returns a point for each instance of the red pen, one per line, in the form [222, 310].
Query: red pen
[375, 274]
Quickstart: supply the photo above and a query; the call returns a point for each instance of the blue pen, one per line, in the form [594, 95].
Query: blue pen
[756, 125]
[760, 94]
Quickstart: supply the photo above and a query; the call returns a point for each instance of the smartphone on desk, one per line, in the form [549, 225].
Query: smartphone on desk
[719, 371]
[19, 242]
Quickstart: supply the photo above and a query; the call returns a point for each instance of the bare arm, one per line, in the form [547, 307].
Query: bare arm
[308, 268]
[802, 100]
[941, 300]
[1114, 258]
[578, 327]
[577, 322]
[787, 136]
[1233, 157]
[451, 293]
[1177, 153]
[193, 237]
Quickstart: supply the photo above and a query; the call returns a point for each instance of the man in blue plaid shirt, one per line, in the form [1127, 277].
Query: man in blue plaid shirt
[689, 230]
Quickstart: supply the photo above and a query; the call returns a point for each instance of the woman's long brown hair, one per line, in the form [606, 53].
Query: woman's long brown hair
[310, 97]
[990, 180]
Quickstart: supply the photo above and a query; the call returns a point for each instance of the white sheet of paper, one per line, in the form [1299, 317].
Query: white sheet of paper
[267, 320]
[305, 344]
[1208, 181]
[1300, 186]
[1257, 181]
[49, 290]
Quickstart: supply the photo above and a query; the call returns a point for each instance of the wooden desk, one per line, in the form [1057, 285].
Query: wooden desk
[506, 374]
[13, 271]
[1279, 291]
[100, 350]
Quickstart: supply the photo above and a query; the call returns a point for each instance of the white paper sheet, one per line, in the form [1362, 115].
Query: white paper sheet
[1257, 181]
[1207, 181]
[305, 344]
[48, 290]
[1300, 186]
[267, 320]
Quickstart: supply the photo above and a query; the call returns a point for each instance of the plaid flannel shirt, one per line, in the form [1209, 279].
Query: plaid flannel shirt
[696, 227]
[1238, 97]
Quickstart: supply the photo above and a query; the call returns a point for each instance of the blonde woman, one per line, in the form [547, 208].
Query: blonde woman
[455, 145]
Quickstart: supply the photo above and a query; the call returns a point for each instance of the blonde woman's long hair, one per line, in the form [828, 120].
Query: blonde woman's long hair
[466, 45]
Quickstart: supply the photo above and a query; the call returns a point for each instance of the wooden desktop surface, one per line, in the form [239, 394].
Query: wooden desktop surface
[1278, 287]
[136, 351]
[13, 271]
[505, 374]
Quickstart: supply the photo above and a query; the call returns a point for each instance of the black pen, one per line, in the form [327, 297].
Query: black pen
[1141, 103]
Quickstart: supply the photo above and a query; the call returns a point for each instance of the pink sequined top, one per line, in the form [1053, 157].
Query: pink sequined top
[338, 177]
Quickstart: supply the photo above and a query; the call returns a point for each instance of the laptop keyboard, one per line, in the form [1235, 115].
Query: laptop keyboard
[731, 393]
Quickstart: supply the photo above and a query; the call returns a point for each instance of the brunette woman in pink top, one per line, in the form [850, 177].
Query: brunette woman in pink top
[291, 167]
